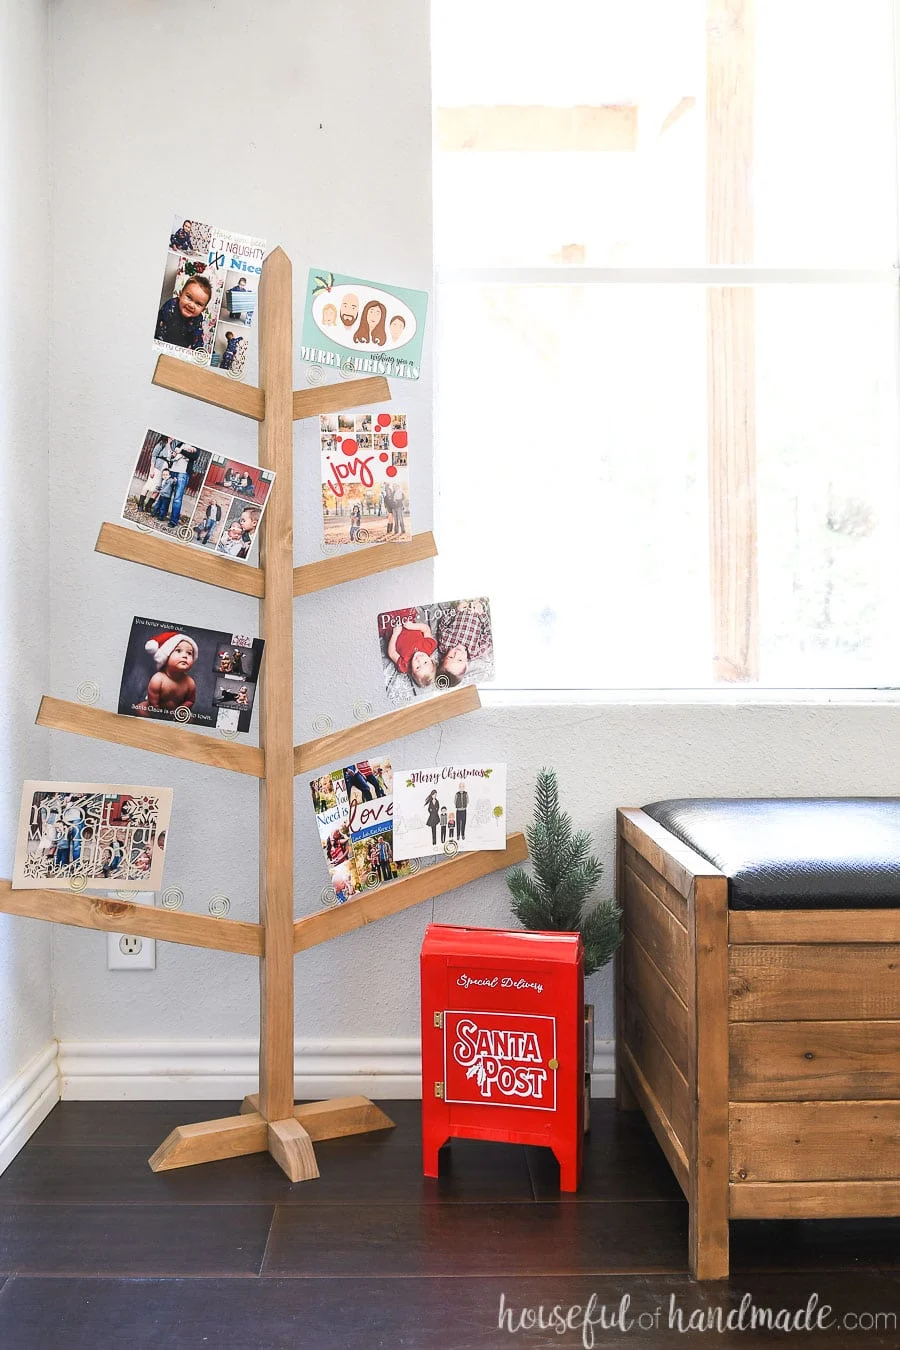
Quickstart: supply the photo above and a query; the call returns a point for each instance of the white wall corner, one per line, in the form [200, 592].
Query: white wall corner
[26, 1101]
[227, 1070]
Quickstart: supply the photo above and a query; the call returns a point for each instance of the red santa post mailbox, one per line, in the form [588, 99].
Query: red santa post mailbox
[503, 1041]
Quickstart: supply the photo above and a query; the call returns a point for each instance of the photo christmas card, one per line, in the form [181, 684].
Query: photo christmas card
[452, 808]
[207, 305]
[365, 478]
[98, 836]
[427, 649]
[196, 497]
[363, 327]
[181, 673]
[354, 814]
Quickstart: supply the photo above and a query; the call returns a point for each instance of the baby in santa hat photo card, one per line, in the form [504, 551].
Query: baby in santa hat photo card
[197, 676]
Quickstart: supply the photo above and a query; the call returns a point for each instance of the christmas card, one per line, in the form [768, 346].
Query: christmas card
[427, 649]
[196, 497]
[354, 813]
[363, 327]
[96, 836]
[197, 676]
[447, 809]
[365, 478]
[207, 305]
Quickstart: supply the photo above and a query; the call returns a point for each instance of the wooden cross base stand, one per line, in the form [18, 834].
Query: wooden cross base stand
[290, 1141]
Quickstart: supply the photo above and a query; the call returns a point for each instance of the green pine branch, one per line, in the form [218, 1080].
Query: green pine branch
[566, 873]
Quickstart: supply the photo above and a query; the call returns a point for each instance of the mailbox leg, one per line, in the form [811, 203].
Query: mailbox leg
[432, 1143]
[569, 1157]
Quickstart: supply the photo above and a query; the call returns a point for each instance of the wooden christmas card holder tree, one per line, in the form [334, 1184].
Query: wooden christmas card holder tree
[269, 1120]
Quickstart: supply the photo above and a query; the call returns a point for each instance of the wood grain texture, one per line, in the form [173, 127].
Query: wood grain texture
[674, 861]
[662, 937]
[344, 745]
[658, 1121]
[210, 1140]
[160, 739]
[364, 562]
[708, 1077]
[814, 925]
[335, 1118]
[329, 398]
[654, 881]
[110, 915]
[815, 1141]
[731, 348]
[292, 1149]
[814, 1061]
[814, 1199]
[625, 1097]
[817, 983]
[205, 385]
[340, 1117]
[400, 895]
[155, 550]
[536, 127]
[661, 1073]
[276, 695]
[660, 1004]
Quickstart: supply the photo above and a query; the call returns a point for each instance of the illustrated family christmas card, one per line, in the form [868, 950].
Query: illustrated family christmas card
[428, 648]
[453, 808]
[363, 327]
[180, 673]
[365, 478]
[208, 300]
[354, 813]
[103, 836]
[197, 497]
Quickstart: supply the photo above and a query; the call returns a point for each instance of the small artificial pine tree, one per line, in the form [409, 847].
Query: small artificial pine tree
[565, 874]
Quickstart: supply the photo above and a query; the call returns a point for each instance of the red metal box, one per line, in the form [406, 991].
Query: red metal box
[503, 1041]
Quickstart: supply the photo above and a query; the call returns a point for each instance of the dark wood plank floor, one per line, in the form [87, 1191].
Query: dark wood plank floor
[97, 1253]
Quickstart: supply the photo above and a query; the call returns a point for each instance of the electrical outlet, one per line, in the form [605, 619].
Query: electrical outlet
[126, 952]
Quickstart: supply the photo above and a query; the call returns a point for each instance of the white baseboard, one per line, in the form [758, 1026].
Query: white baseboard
[30, 1097]
[227, 1070]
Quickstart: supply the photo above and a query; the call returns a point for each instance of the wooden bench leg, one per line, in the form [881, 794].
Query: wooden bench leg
[708, 1238]
[625, 1098]
[709, 1162]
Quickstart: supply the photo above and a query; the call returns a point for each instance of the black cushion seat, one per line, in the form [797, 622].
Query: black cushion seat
[794, 852]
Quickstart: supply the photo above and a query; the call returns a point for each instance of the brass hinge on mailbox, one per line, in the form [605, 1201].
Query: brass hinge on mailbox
[438, 1019]
[439, 1089]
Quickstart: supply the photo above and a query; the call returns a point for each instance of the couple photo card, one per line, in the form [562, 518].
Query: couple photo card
[427, 649]
[363, 327]
[365, 478]
[99, 836]
[354, 815]
[207, 305]
[197, 676]
[196, 497]
[453, 808]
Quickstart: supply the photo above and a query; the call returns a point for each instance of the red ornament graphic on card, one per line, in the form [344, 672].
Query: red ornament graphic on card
[500, 1059]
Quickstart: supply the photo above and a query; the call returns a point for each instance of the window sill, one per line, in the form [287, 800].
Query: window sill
[742, 696]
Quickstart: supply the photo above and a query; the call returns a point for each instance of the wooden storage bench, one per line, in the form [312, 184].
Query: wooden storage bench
[758, 1006]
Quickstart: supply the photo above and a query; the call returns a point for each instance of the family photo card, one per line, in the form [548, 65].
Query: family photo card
[207, 304]
[197, 676]
[196, 497]
[363, 327]
[365, 478]
[453, 808]
[102, 836]
[427, 649]
[354, 815]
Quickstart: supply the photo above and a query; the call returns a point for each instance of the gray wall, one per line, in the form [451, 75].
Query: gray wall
[25, 586]
[326, 131]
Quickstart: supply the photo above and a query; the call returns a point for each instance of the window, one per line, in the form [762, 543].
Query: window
[668, 314]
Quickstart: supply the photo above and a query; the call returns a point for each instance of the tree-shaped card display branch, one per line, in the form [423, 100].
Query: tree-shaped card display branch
[269, 1120]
